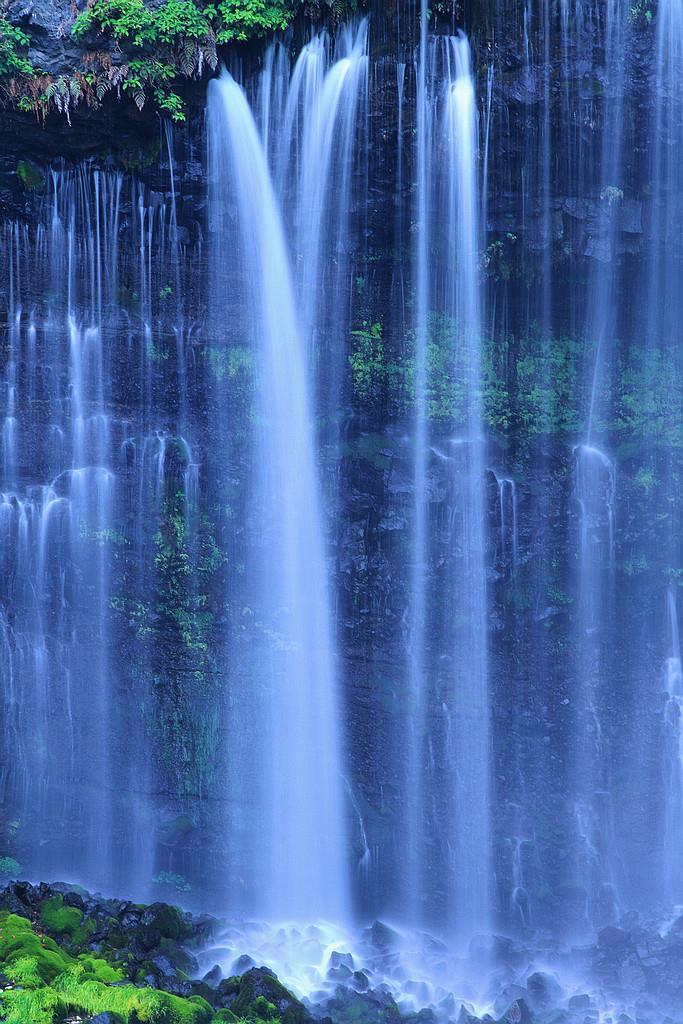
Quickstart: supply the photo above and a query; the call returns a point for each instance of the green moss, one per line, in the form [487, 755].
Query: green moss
[9, 867]
[18, 941]
[263, 1009]
[50, 983]
[168, 922]
[30, 175]
[99, 969]
[62, 920]
[169, 880]
[645, 478]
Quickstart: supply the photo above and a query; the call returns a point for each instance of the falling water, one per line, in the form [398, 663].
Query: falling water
[298, 797]
[246, 634]
[663, 322]
[449, 217]
[595, 494]
[314, 132]
[71, 463]
[673, 796]
[415, 648]
[597, 869]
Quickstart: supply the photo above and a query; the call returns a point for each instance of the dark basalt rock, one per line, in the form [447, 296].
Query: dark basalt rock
[375, 1006]
[214, 976]
[517, 1013]
[148, 941]
[543, 989]
[260, 983]
[382, 936]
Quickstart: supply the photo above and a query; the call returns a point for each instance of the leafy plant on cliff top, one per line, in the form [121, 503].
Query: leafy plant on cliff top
[12, 40]
[142, 51]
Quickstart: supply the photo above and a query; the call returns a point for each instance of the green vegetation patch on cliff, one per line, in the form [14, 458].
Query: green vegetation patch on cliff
[528, 385]
[135, 49]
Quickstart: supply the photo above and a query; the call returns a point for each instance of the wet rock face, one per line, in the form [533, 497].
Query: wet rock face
[49, 23]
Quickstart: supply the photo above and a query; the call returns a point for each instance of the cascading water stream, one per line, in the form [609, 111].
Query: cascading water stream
[448, 217]
[301, 873]
[597, 864]
[673, 795]
[313, 126]
[663, 325]
[79, 786]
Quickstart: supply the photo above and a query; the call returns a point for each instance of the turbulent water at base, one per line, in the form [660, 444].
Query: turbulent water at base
[340, 513]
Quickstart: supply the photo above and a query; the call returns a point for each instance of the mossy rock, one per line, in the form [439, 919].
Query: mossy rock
[50, 983]
[30, 175]
[61, 919]
[162, 921]
[260, 992]
[18, 940]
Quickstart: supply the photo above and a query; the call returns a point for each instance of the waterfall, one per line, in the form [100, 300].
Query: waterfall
[673, 792]
[313, 129]
[448, 217]
[595, 489]
[296, 848]
[595, 494]
[662, 324]
[78, 719]
[340, 517]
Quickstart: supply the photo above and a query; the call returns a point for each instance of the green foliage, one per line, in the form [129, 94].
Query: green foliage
[9, 867]
[377, 379]
[124, 19]
[48, 984]
[530, 385]
[30, 176]
[234, 362]
[642, 12]
[63, 920]
[171, 881]
[177, 39]
[179, 600]
[498, 259]
[143, 51]
[139, 49]
[12, 41]
[367, 362]
[240, 19]
[646, 405]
